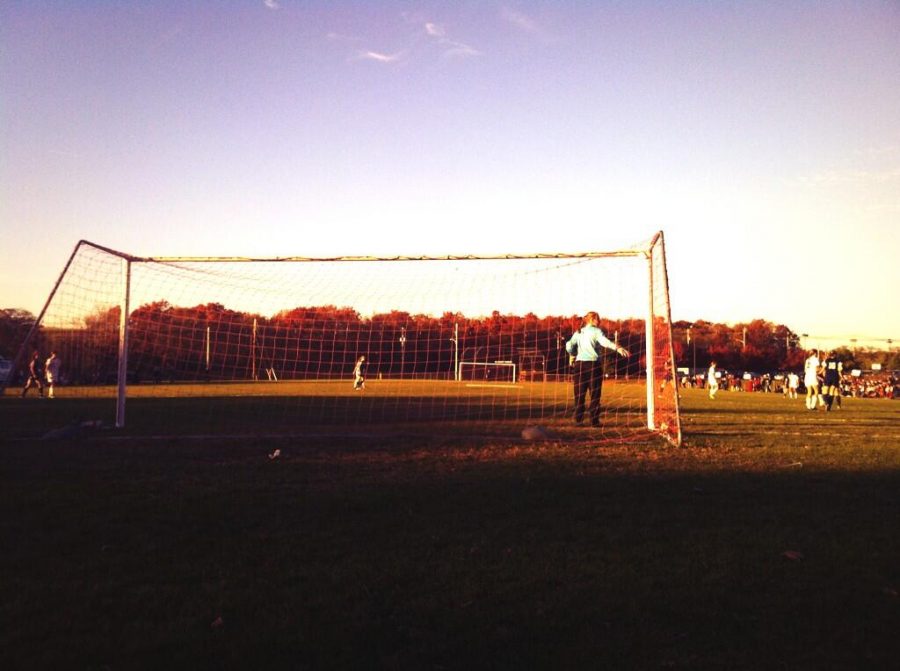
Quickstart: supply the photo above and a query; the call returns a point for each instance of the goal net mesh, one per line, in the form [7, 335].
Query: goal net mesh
[452, 344]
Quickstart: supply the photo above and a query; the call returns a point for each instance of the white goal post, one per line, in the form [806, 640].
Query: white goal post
[204, 328]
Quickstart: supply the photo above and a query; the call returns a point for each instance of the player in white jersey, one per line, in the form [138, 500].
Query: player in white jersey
[51, 370]
[811, 379]
[711, 380]
[793, 382]
[359, 374]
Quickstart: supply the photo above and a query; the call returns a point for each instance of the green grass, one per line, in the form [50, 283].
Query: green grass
[401, 552]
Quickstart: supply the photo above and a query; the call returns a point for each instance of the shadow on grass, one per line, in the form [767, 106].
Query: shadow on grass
[266, 415]
[347, 555]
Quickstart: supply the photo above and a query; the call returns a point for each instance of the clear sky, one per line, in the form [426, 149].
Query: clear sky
[763, 138]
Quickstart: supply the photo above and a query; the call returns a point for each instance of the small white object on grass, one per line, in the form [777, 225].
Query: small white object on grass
[536, 432]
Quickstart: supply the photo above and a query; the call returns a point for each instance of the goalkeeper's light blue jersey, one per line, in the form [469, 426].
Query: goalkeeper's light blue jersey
[585, 343]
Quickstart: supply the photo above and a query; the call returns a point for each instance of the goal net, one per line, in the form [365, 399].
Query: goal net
[271, 346]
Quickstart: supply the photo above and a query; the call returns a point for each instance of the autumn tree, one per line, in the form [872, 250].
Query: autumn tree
[14, 327]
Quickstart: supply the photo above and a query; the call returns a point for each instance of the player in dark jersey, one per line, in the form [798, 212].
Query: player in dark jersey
[34, 375]
[831, 389]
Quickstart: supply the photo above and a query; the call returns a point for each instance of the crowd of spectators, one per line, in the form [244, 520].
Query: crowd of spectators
[880, 385]
[869, 385]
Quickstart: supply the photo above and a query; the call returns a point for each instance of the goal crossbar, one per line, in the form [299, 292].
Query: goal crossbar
[328, 259]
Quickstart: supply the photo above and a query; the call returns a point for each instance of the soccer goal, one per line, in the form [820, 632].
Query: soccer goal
[271, 345]
[487, 371]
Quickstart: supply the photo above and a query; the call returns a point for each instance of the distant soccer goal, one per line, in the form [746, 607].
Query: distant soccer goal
[473, 342]
[487, 371]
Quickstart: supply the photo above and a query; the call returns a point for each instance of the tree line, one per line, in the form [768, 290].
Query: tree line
[210, 341]
[761, 346]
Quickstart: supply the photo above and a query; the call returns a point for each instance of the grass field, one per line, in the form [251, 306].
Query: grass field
[387, 407]
[769, 541]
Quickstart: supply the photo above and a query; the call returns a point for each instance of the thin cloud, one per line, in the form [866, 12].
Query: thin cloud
[426, 32]
[365, 54]
[379, 57]
[272, 4]
[434, 30]
[519, 20]
[873, 166]
[459, 50]
[452, 48]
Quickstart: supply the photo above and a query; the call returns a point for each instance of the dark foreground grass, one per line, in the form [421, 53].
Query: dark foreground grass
[769, 541]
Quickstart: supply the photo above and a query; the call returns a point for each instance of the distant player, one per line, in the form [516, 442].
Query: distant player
[667, 378]
[359, 374]
[712, 382]
[811, 379]
[34, 375]
[793, 382]
[831, 389]
[51, 370]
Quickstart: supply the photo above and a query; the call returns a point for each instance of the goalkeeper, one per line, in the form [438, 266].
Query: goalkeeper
[584, 354]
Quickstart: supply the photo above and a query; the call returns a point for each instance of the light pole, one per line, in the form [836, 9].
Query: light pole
[455, 341]
[559, 354]
[616, 368]
[402, 349]
[694, 349]
[253, 352]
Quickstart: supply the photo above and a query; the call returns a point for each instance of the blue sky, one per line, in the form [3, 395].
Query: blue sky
[762, 137]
